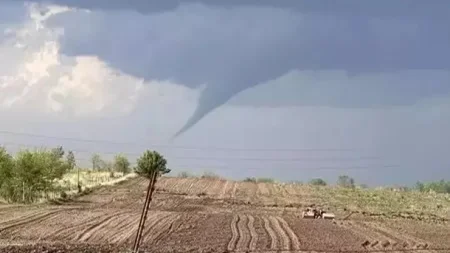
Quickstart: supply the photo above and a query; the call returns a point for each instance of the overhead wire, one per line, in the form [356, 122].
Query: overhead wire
[148, 145]
[291, 159]
[224, 159]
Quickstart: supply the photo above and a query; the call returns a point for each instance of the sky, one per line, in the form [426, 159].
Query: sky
[293, 91]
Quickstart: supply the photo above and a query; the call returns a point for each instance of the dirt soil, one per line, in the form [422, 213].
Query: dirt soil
[206, 215]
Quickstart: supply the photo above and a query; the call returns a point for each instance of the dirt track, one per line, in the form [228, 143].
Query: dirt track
[192, 215]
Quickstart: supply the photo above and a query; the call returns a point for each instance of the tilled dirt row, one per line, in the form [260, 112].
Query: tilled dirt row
[211, 222]
[183, 230]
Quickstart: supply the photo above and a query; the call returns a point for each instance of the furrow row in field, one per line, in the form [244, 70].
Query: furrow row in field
[273, 236]
[253, 233]
[234, 233]
[406, 241]
[166, 228]
[159, 229]
[281, 235]
[113, 231]
[294, 242]
[90, 231]
[16, 216]
[283, 238]
[69, 229]
[31, 218]
[244, 236]
[373, 240]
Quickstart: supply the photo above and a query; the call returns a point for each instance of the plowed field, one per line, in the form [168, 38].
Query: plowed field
[206, 215]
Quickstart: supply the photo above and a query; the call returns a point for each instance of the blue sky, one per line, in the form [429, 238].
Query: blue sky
[243, 75]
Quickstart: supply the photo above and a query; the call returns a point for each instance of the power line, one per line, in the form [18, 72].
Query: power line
[296, 159]
[226, 159]
[203, 167]
[147, 145]
[208, 167]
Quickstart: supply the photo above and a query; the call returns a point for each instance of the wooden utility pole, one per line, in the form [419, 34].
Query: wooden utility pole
[78, 179]
[148, 199]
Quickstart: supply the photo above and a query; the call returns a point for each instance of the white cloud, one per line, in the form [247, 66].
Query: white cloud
[35, 77]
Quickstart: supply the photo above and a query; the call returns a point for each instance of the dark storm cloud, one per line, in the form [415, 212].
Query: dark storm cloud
[233, 49]
[381, 8]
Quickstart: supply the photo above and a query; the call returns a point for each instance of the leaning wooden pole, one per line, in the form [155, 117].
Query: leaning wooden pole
[143, 214]
[151, 188]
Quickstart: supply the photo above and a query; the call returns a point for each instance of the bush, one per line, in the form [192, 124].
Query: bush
[265, 180]
[318, 181]
[250, 179]
[184, 174]
[210, 175]
[346, 181]
[121, 164]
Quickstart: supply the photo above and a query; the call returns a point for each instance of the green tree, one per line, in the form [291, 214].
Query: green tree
[318, 181]
[7, 179]
[35, 171]
[96, 162]
[346, 181]
[121, 164]
[149, 162]
[71, 160]
[58, 152]
[441, 186]
[419, 186]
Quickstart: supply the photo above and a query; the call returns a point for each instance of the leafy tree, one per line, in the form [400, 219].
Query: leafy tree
[96, 162]
[441, 186]
[6, 173]
[6, 166]
[121, 164]
[419, 186]
[58, 152]
[36, 172]
[346, 181]
[71, 160]
[318, 181]
[149, 162]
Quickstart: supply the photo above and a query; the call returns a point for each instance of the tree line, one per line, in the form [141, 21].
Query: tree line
[31, 175]
[441, 186]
